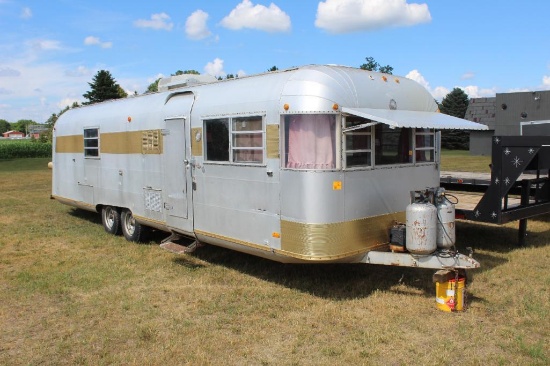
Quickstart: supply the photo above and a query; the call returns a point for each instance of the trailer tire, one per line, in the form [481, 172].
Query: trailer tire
[131, 229]
[110, 218]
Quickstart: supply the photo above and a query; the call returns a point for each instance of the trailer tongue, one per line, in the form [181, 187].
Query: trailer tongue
[440, 259]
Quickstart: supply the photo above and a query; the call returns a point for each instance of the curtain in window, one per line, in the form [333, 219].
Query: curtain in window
[311, 142]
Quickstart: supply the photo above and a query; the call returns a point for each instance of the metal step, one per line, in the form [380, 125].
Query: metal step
[179, 248]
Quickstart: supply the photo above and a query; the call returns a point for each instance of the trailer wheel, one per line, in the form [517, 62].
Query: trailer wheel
[110, 217]
[131, 229]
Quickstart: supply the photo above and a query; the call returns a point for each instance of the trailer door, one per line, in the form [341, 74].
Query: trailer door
[177, 192]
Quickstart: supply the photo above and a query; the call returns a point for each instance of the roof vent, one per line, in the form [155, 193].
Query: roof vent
[180, 81]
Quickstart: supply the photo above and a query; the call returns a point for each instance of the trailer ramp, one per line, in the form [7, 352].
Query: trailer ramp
[517, 188]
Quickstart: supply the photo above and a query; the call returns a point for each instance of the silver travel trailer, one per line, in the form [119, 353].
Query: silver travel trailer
[310, 164]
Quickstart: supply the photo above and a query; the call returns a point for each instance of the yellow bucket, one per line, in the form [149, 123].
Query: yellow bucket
[449, 295]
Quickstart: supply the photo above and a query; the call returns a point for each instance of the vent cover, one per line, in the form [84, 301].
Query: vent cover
[153, 199]
[151, 142]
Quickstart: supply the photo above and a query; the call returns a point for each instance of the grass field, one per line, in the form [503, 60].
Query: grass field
[462, 161]
[72, 294]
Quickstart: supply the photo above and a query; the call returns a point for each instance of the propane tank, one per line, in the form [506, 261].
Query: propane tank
[446, 236]
[421, 228]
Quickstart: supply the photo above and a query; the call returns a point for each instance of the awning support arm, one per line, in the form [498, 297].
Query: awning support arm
[358, 127]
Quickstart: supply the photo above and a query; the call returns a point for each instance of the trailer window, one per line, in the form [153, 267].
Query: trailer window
[247, 141]
[358, 143]
[424, 145]
[392, 145]
[217, 139]
[310, 141]
[91, 142]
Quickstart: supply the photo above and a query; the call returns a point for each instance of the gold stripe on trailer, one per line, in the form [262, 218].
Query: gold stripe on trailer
[133, 142]
[233, 240]
[74, 203]
[336, 239]
[272, 141]
[196, 141]
[69, 144]
[289, 254]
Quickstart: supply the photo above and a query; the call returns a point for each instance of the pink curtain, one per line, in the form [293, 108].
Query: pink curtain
[311, 141]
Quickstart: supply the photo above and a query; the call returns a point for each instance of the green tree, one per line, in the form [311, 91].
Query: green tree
[4, 126]
[272, 68]
[193, 72]
[103, 87]
[386, 69]
[153, 87]
[22, 125]
[455, 104]
[50, 122]
[373, 65]
[121, 92]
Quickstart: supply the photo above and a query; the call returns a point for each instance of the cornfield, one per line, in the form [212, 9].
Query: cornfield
[11, 149]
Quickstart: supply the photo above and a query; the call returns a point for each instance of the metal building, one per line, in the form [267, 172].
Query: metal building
[505, 114]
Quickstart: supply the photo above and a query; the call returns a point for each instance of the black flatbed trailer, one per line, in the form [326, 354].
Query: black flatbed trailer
[517, 187]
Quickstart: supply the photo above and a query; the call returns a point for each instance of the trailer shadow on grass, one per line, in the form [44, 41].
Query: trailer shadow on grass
[501, 239]
[349, 281]
[331, 281]
[90, 216]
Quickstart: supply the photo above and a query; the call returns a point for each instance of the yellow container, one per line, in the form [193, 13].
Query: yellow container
[449, 295]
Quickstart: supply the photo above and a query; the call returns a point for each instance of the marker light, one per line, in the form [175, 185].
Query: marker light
[276, 234]
[384, 78]
[335, 106]
[286, 107]
[129, 119]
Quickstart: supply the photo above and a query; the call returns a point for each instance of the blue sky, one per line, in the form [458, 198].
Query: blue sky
[50, 50]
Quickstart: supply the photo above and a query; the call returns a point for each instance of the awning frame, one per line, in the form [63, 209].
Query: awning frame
[410, 119]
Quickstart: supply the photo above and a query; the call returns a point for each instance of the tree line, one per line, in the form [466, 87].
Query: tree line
[104, 87]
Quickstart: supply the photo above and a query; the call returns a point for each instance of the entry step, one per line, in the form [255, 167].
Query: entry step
[179, 248]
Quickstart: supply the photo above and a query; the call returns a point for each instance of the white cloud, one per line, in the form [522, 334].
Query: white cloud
[248, 15]
[475, 91]
[33, 89]
[546, 81]
[417, 76]
[159, 76]
[468, 75]
[95, 41]
[44, 44]
[68, 102]
[196, 27]
[157, 22]
[79, 71]
[344, 16]
[9, 72]
[26, 13]
[241, 73]
[215, 68]
[438, 93]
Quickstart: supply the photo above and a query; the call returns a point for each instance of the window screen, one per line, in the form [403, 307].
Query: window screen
[247, 142]
[358, 143]
[91, 142]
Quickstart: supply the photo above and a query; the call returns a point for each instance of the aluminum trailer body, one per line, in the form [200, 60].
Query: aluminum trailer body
[311, 164]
